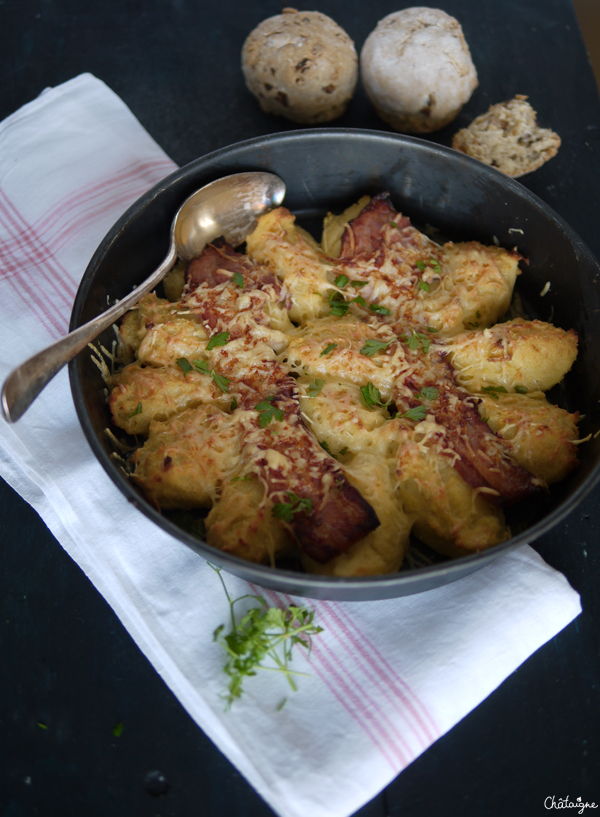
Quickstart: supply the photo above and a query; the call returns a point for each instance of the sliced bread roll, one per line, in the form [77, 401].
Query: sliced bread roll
[508, 137]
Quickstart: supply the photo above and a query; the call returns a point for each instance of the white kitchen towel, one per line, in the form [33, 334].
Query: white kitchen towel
[385, 678]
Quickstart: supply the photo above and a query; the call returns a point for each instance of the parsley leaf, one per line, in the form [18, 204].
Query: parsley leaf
[493, 391]
[337, 306]
[136, 412]
[341, 281]
[358, 284]
[238, 279]
[417, 413]
[267, 412]
[372, 346]
[184, 365]
[233, 405]
[329, 348]
[380, 310]
[220, 381]
[371, 396]
[359, 300]
[201, 365]
[431, 262]
[296, 504]
[325, 446]
[429, 393]
[424, 285]
[416, 340]
[220, 339]
[315, 387]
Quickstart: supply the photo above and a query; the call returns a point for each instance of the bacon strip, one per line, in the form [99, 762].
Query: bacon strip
[211, 267]
[483, 460]
[364, 234]
[339, 515]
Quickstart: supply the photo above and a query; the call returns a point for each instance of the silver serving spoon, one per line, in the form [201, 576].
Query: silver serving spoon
[229, 207]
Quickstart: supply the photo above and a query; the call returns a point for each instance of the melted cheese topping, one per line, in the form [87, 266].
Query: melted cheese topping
[351, 373]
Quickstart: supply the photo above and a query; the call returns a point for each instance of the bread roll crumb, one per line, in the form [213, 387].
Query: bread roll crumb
[508, 137]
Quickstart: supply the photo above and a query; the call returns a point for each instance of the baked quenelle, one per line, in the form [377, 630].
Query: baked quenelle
[321, 402]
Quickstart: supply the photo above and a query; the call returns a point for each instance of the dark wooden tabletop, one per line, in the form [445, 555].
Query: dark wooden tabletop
[66, 662]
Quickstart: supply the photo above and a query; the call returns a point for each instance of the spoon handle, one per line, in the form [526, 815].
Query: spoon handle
[25, 382]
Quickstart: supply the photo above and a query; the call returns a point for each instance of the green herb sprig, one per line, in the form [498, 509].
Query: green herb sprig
[372, 346]
[220, 381]
[267, 412]
[262, 634]
[416, 340]
[220, 339]
[493, 391]
[135, 413]
[295, 504]
[371, 396]
[315, 386]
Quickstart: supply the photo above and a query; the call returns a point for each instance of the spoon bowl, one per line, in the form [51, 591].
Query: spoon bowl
[228, 207]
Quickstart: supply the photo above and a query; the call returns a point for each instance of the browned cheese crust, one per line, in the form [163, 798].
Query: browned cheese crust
[323, 406]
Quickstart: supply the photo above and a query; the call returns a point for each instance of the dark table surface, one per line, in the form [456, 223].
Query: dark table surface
[66, 661]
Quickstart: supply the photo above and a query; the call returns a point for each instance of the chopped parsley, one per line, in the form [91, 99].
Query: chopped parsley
[371, 396]
[421, 265]
[341, 281]
[295, 504]
[424, 285]
[329, 348]
[233, 405]
[518, 389]
[185, 365]
[373, 346]
[325, 446]
[220, 339]
[358, 284]
[337, 306]
[135, 413]
[220, 381]
[429, 393]
[238, 279]
[493, 391]
[417, 413]
[201, 365]
[267, 412]
[315, 387]
[380, 310]
[416, 340]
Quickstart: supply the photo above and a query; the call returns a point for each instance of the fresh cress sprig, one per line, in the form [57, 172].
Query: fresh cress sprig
[262, 634]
